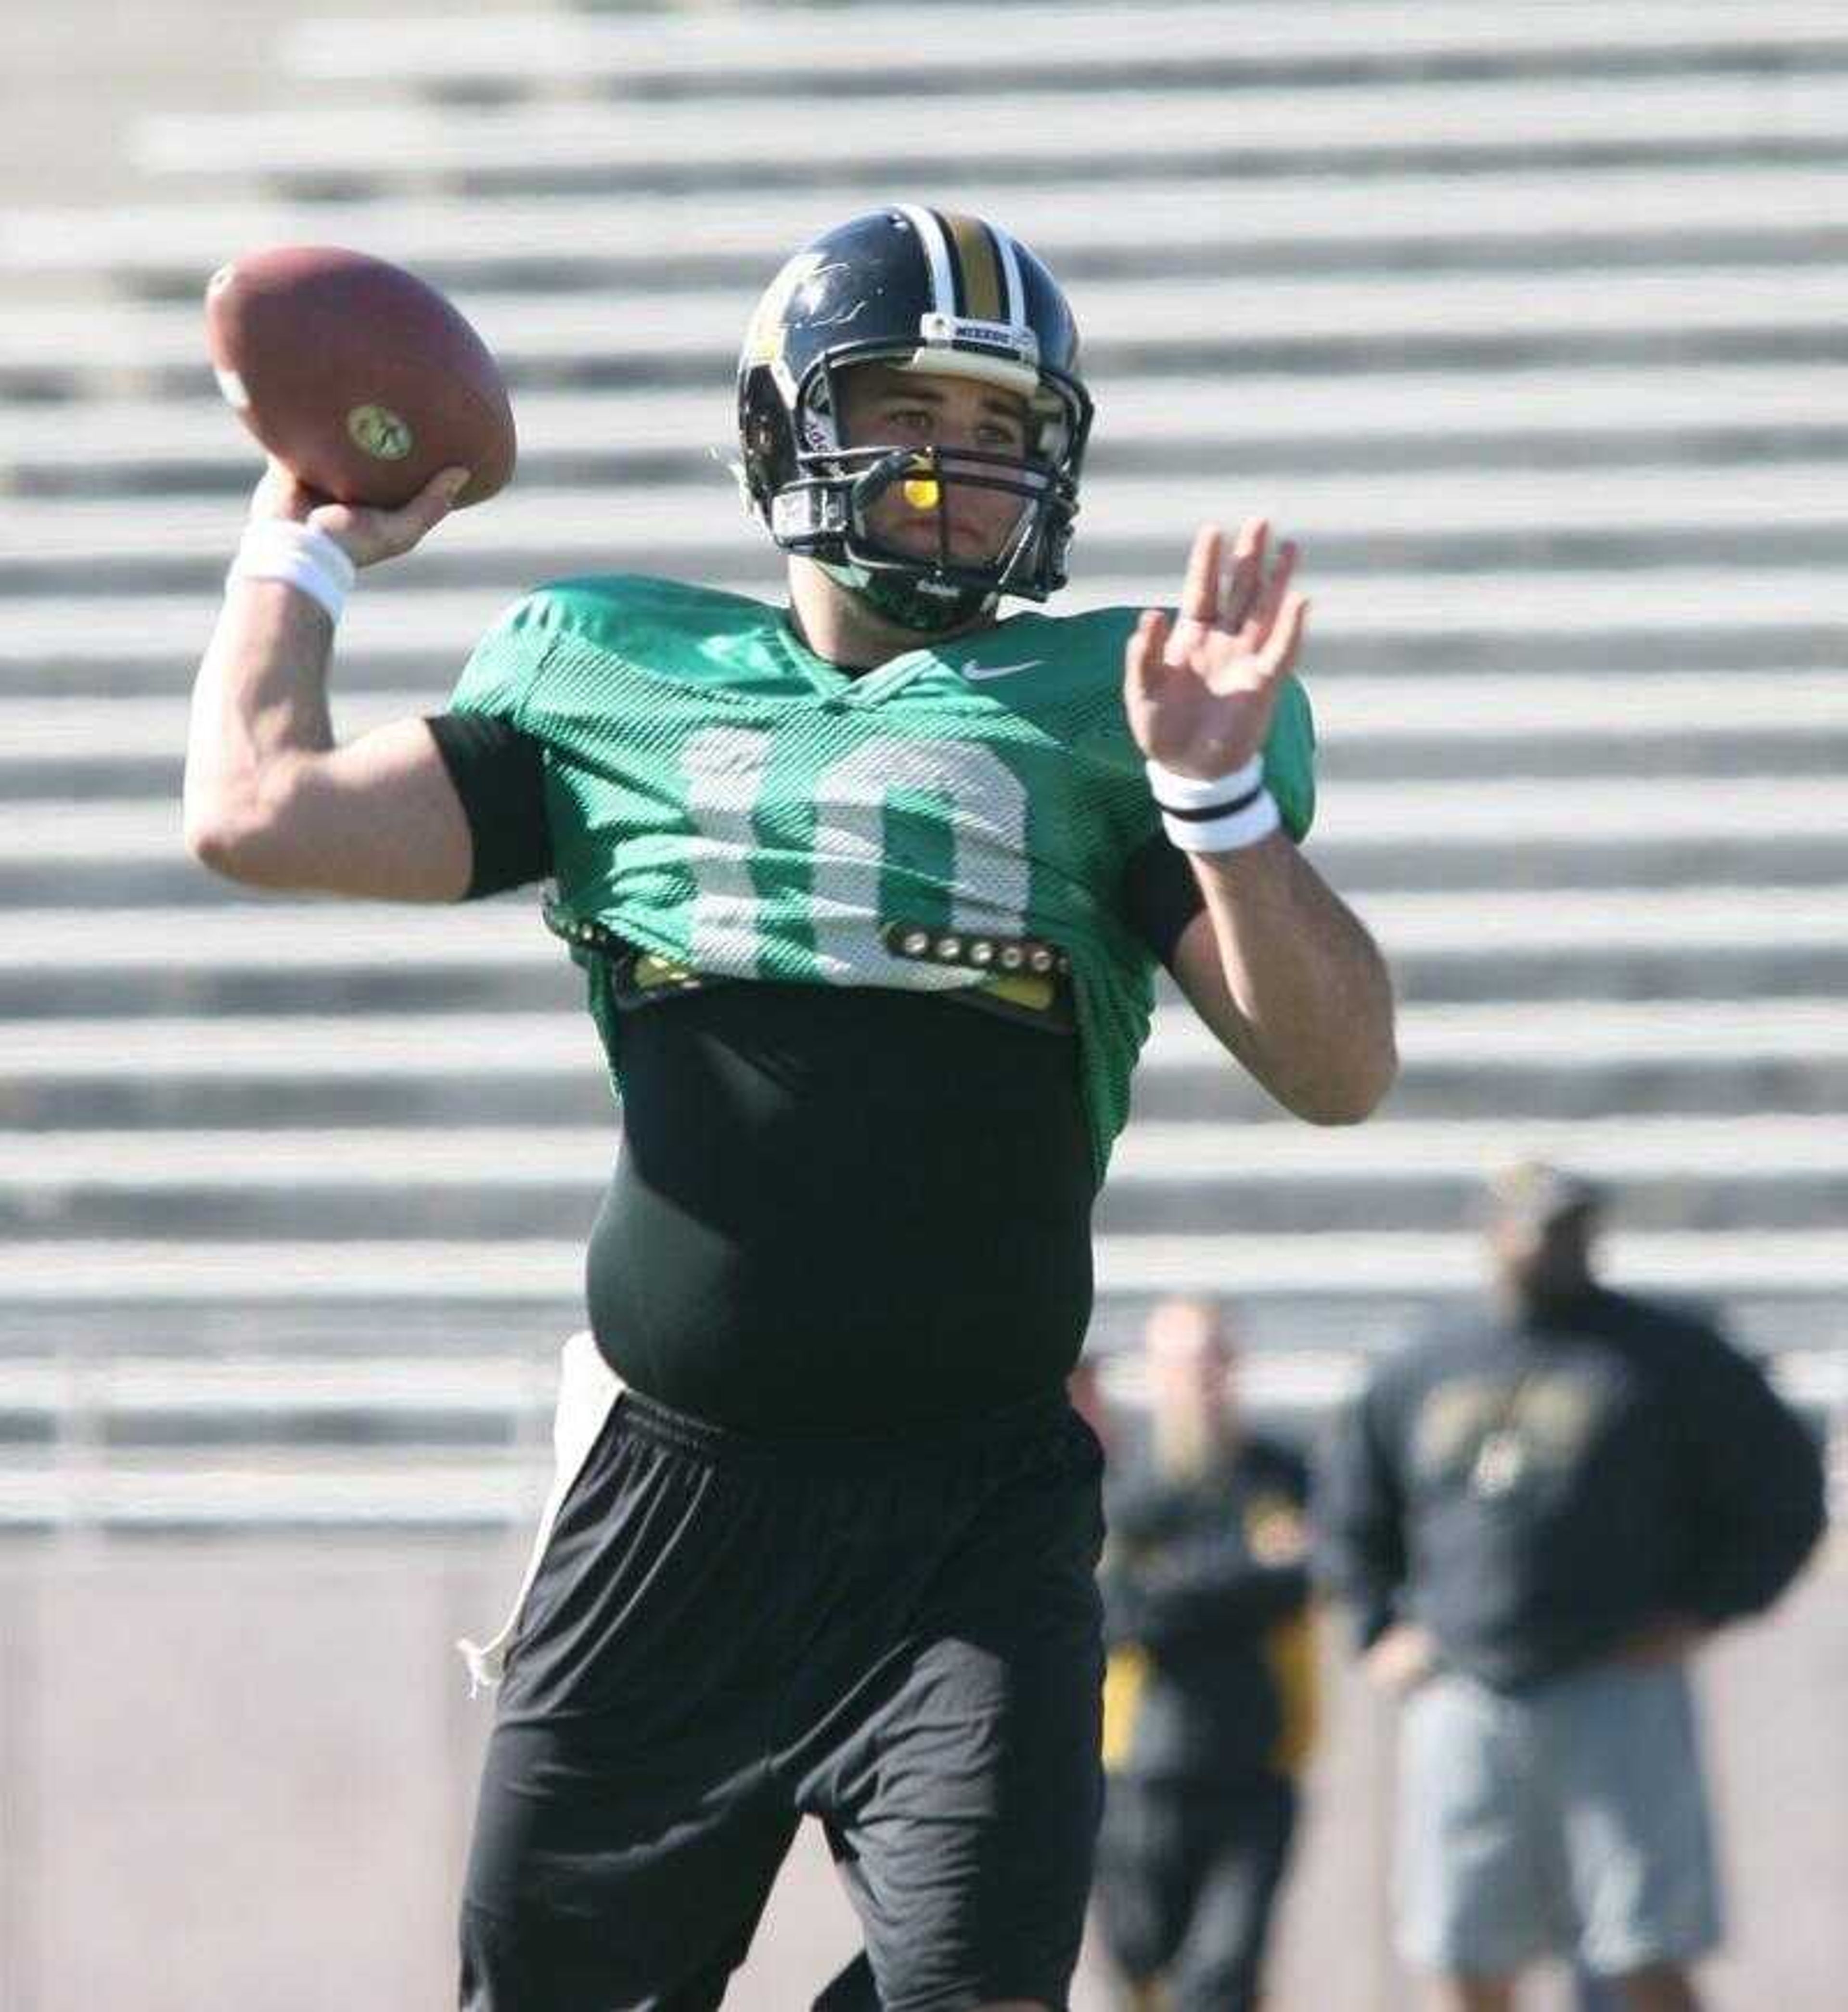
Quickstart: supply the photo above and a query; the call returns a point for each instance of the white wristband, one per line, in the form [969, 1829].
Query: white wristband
[1173, 791]
[302, 555]
[1216, 814]
[1257, 819]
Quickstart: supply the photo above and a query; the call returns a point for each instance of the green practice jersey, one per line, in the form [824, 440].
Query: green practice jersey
[723, 797]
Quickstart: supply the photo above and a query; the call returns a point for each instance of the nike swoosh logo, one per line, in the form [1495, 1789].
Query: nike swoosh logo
[1000, 670]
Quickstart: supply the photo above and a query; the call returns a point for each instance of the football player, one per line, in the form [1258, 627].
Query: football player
[867, 890]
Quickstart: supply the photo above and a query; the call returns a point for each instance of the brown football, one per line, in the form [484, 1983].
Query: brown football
[359, 376]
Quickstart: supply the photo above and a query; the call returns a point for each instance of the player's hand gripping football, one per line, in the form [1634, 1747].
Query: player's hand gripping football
[1200, 692]
[365, 535]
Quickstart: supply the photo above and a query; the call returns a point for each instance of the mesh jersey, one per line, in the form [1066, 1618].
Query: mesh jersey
[720, 795]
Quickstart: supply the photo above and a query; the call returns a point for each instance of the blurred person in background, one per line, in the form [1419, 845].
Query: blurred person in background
[869, 884]
[1538, 1513]
[1209, 1701]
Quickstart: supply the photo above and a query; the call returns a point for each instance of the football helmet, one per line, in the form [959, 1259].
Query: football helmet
[927, 291]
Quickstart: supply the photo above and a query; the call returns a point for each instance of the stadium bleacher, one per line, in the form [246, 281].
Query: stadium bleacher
[1528, 320]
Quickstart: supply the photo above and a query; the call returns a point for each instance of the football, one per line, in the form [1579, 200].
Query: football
[362, 378]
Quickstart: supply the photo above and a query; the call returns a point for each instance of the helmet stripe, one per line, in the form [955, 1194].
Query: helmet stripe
[981, 270]
[937, 256]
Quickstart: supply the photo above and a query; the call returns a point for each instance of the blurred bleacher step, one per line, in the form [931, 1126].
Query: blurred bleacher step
[1516, 420]
[1651, 827]
[1578, 1057]
[1676, 1173]
[356, 146]
[1745, 620]
[129, 1271]
[666, 241]
[1179, 327]
[702, 48]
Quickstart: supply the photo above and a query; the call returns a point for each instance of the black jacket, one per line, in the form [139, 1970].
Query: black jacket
[1210, 1672]
[1533, 1490]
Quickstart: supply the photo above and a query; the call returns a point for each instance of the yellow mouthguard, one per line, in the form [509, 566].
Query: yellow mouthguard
[923, 494]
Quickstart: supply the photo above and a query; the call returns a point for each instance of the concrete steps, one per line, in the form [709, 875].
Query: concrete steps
[182, 1489]
[127, 1272]
[1443, 521]
[150, 1441]
[1577, 1058]
[1706, 414]
[1733, 1173]
[1365, 718]
[1526, 319]
[558, 52]
[1558, 831]
[280, 933]
[399, 143]
[1179, 325]
[672, 240]
[1577, 620]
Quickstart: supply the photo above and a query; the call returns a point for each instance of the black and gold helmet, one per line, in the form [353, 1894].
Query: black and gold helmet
[920, 290]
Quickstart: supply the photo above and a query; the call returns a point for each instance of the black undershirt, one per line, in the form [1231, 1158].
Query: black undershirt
[836, 1209]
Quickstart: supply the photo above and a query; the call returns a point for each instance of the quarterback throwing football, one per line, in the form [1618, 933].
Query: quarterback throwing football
[868, 890]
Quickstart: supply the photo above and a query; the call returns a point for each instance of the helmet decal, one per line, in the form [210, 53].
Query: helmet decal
[764, 340]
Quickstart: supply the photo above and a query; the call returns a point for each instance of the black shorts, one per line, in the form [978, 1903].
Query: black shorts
[900, 1637]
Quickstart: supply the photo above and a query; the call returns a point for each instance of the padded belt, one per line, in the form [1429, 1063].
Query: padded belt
[1028, 978]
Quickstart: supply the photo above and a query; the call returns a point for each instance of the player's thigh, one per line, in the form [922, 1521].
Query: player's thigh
[591, 1886]
[965, 1813]
[855, 1991]
[969, 1863]
[629, 1825]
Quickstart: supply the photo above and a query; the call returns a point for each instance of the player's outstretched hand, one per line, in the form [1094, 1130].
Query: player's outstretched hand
[366, 536]
[1199, 690]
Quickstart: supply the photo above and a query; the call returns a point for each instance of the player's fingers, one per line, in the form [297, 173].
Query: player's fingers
[438, 496]
[346, 528]
[428, 507]
[1199, 594]
[370, 535]
[280, 492]
[1263, 615]
[1287, 637]
[1143, 663]
[1246, 573]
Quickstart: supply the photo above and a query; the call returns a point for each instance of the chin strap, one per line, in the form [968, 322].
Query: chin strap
[925, 611]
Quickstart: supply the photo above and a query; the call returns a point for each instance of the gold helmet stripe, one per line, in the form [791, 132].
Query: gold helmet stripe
[982, 286]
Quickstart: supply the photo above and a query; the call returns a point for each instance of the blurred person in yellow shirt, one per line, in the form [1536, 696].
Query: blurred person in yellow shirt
[1209, 1703]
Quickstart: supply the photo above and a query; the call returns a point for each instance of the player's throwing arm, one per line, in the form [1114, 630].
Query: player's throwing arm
[381, 411]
